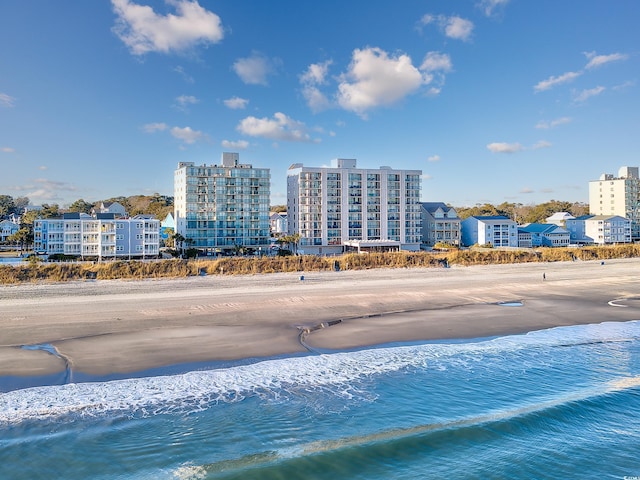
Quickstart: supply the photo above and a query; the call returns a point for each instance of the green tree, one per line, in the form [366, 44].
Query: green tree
[291, 241]
[80, 206]
[178, 241]
[19, 204]
[477, 211]
[6, 205]
[160, 205]
[23, 237]
[49, 211]
[29, 217]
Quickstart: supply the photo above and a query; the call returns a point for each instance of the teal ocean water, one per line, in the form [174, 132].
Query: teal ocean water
[558, 403]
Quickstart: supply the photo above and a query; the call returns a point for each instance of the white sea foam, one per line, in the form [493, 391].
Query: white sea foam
[339, 372]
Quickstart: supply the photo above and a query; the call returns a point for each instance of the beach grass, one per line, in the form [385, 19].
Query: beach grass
[176, 268]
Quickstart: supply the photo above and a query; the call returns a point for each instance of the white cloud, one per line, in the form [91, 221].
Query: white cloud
[453, 27]
[553, 123]
[596, 61]
[315, 75]
[184, 100]
[254, 70]
[433, 158]
[237, 145]
[186, 77]
[43, 190]
[426, 176]
[143, 30]
[280, 127]
[624, 86]
[501, 147]
[7, 150]
[541, 144]
[458, 28]
[375, 79]
[236, 103]
[490, 6]
[436, 61]
[154, 127]
[6, 100]
[584, 95]
[316, 100]
[553, 81]
[187, 134]
[43, 167]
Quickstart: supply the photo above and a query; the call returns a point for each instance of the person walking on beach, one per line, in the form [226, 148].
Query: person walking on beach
[544, 277]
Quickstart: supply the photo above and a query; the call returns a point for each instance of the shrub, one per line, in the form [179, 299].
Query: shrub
[123, 269]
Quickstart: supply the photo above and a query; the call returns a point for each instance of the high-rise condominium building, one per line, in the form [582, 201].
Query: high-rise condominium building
[611, 195]
[222, 207]
[342, 207]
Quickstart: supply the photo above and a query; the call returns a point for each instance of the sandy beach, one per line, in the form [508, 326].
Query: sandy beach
[103, 327]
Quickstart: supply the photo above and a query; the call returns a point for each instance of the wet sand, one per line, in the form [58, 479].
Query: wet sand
[104, 327]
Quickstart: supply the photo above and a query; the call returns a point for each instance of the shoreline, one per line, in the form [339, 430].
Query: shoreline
[120, 327]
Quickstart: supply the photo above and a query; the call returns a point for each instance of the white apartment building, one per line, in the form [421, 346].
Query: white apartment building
[343, 207]
[618, 195]
[495, 230]
[99, 237]
[600, 229]
[221, 207]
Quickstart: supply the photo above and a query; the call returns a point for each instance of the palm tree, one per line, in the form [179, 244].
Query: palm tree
[290, 241]
[178, 241]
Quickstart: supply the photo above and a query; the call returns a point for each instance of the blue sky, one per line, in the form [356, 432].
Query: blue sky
[494, 100]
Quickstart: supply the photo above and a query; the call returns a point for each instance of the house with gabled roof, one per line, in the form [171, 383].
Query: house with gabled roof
[278, 223]
[543, 235]
[7, 228]
[440, 224]
[111, 207]
[559, 218]
[494, 230]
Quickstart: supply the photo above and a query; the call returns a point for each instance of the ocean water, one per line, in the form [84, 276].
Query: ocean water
[558, 403]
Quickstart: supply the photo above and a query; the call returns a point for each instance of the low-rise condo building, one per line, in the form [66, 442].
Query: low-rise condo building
[599, 229]
[98, 237]
[494, 230]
